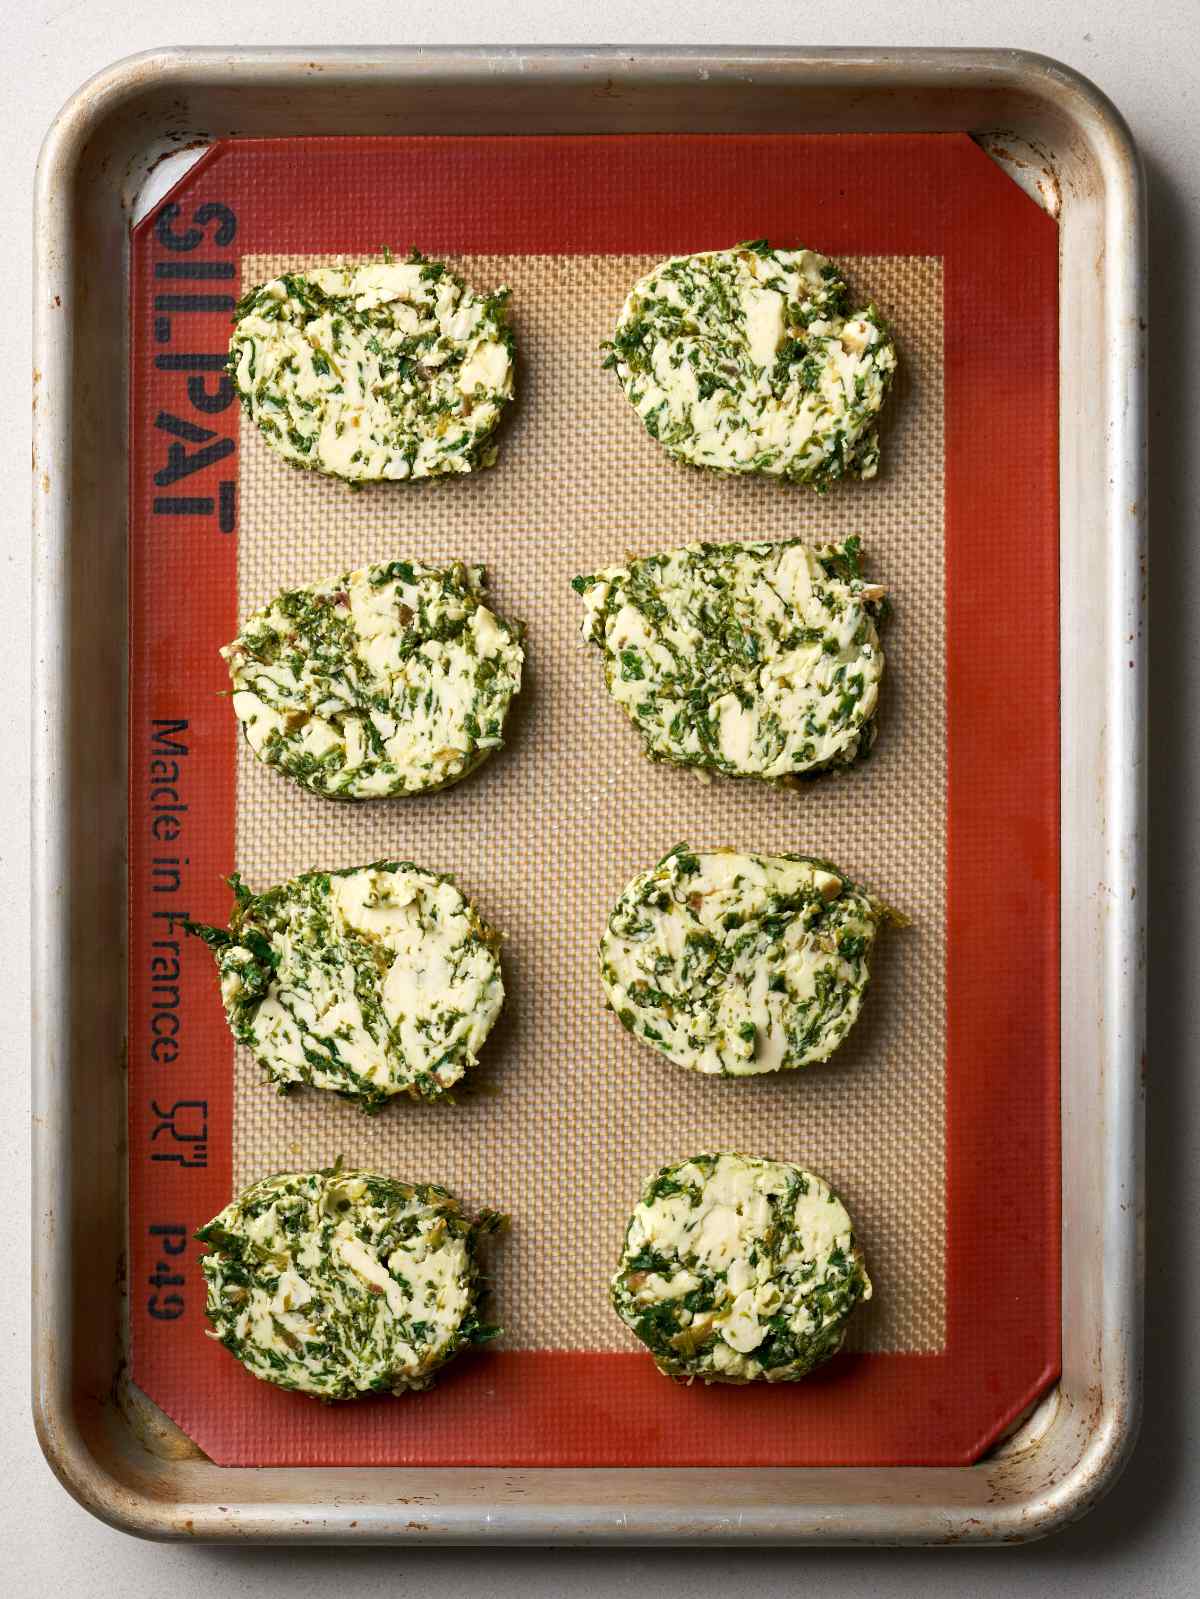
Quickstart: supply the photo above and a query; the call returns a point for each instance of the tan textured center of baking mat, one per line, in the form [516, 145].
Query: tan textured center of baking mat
[569, 1114]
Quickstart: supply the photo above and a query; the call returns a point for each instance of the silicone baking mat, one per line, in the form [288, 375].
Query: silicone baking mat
[953, 819]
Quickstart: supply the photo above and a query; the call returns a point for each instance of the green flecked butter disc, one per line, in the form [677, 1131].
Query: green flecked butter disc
[734, 964]
[369, 982]
[376, 370]
[394, 679]
[752, 360]
[753, 660]
[340, 1283]
[737, 1269]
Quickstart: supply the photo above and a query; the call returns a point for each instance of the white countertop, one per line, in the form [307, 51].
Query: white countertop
[1145, 1537]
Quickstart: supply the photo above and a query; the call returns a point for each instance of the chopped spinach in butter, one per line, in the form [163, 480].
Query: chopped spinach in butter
[751, 360]
[737, 1269]
[341, 1283]
[385, 369]
[755, 660]
[391, 680]
[734, 964]
[373, 981]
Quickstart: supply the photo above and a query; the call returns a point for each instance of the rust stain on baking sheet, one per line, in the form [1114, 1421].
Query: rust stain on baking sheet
[1030, 167]
[152, 1428]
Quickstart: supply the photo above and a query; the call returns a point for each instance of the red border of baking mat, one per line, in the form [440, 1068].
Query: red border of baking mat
[933, 194]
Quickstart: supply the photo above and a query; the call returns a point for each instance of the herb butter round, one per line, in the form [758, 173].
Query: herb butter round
[737, 1269]
[340, 1283]
[369, 982]
[734, 964]
[382, 369]
[751, 360]
[754, 660]
[394, 679]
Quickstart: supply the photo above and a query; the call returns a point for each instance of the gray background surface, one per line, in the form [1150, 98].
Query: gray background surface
[1145, 1537]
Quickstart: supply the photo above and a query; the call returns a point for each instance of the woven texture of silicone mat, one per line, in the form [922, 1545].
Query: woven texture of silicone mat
[546, 836]
[567, 1114]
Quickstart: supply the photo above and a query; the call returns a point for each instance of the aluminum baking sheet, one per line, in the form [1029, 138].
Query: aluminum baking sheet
[1012, 806]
